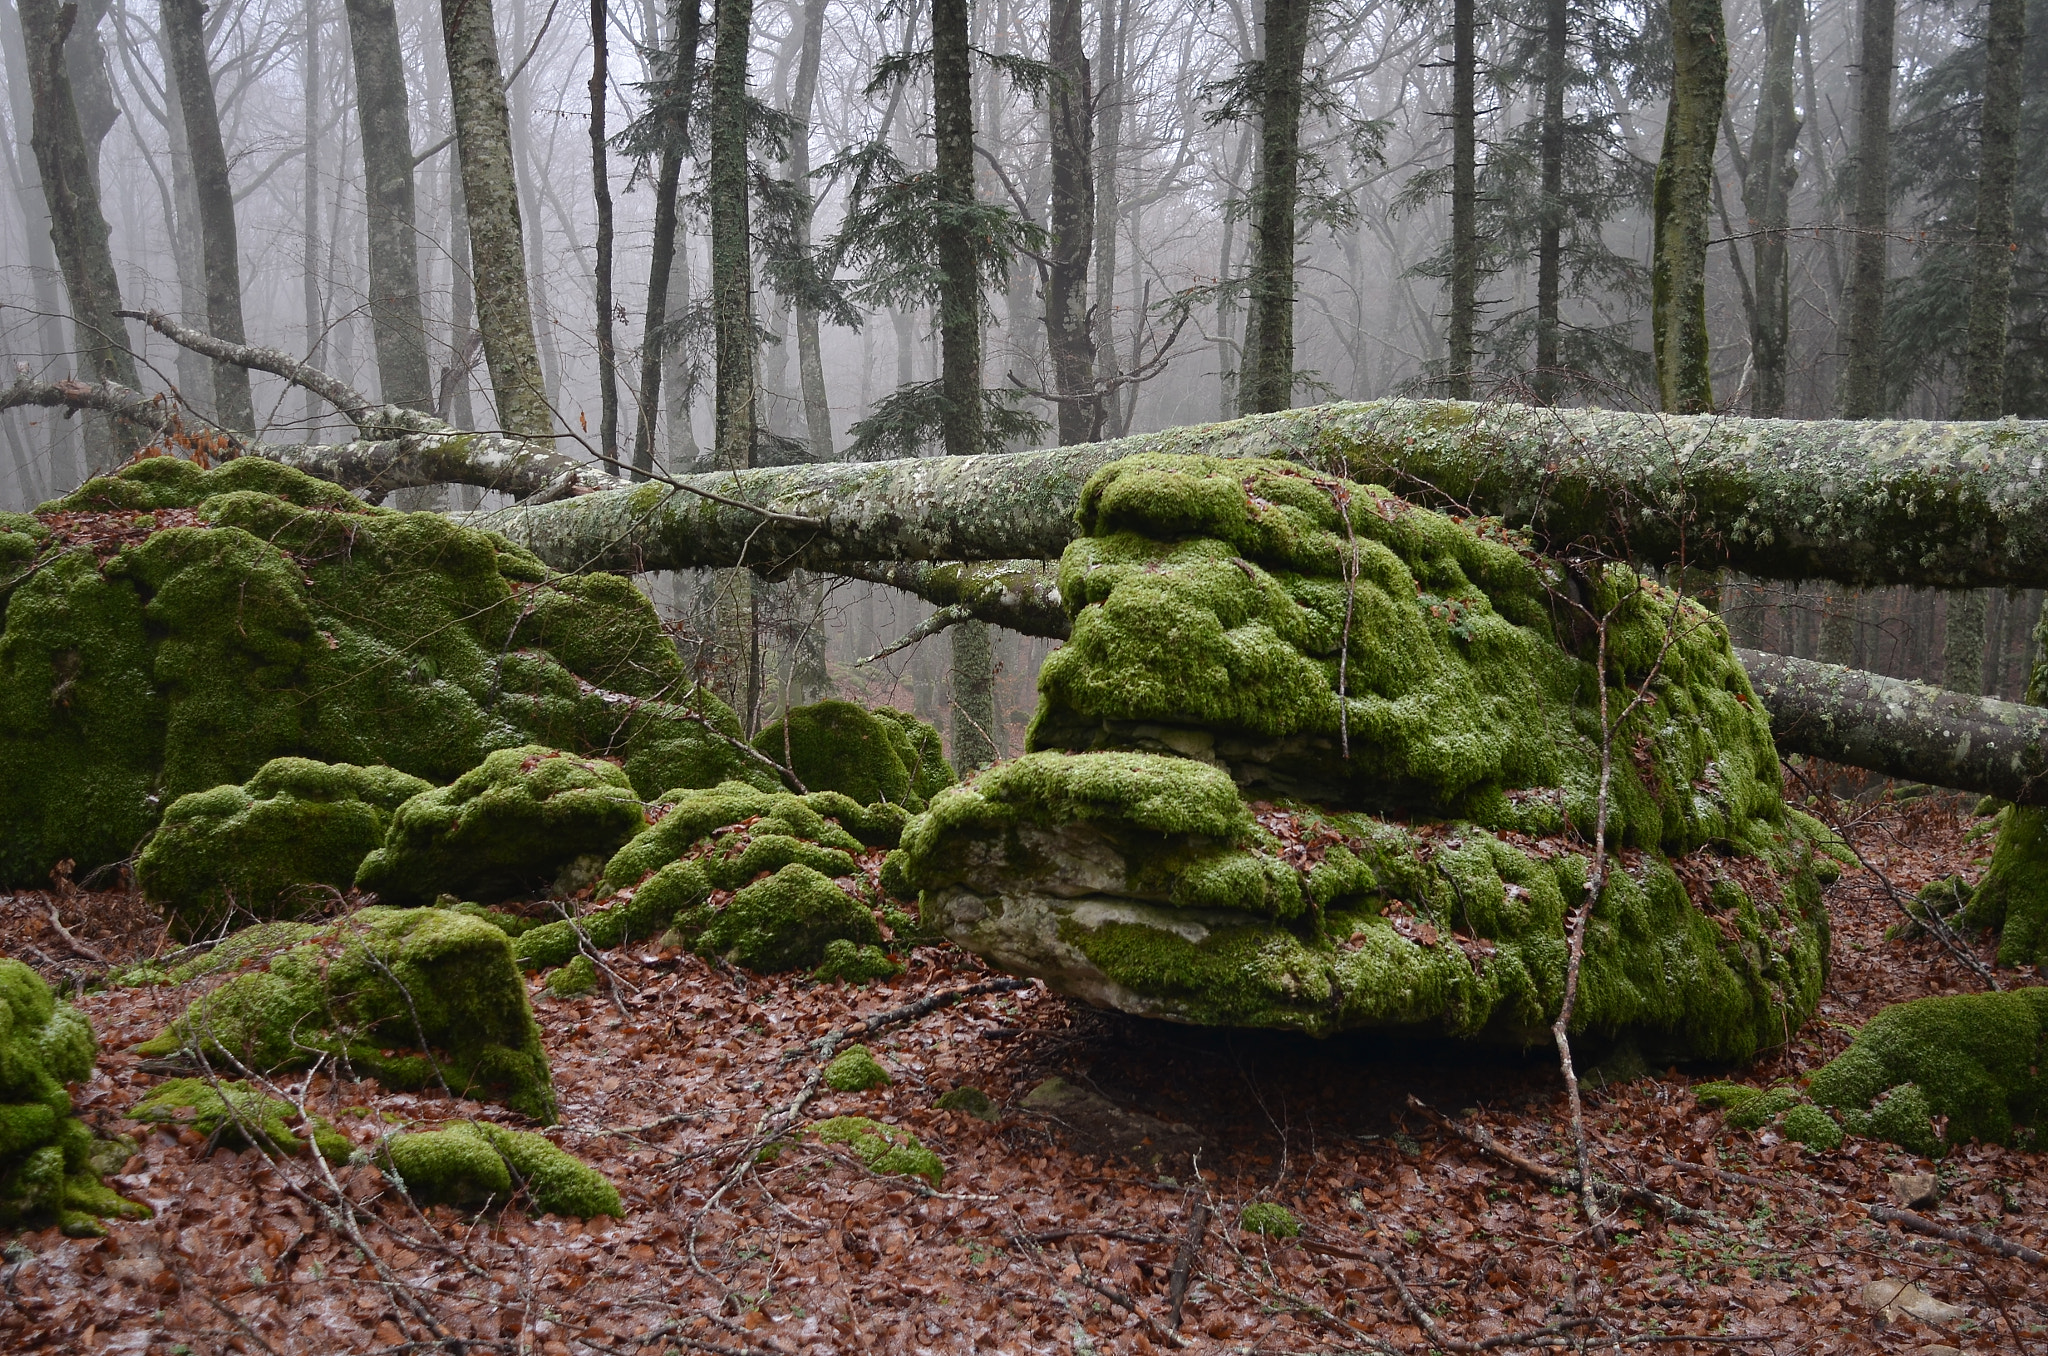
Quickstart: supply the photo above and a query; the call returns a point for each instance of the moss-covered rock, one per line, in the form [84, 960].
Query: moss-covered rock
[504, 828]
[1269, 1218]
[970, 1101]
[888, 1150]
[872, 757]
[1809, 1125]
[2012, 898]
[470, 1164]
[166, 630]
[267, 847]
[852, 963]
[784, 922]
[579, 976]
[50, 1162]
[923, 751]
[232, 1113]
[400, 994]
[855, 1069]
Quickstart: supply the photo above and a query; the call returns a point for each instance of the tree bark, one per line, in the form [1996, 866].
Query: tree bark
[601, 192]
[1991, 271]
[732, 263]
[1550, 229]
[1069, 338]
[185, 38]
[1462, 336]
[1863, 383]
[1109, 111]
[1266, 383]
[810, 355]
[661, 262]
[67, 161]
[1767, 193]
[1681, 197]
[1962, 655]
[396, 326]
[309, 214]
[483, 137]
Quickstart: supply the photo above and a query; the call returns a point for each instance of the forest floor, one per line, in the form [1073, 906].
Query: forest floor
[1034, 1244]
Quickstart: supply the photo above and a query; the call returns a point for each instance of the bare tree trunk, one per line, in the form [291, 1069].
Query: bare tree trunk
[1070, 112]
[1109, 110]
[601, 191]
[1767, 193]
[732, 310]
[403, 373]
[195, 374]
[1991, 271]
[1683, 192]
[1550, 228]
[483, 135]
[309, 214]
[1462, 338]
[1267, 380]
[1962, 659]
[1863, 382]
[661, 263]
[455, 403]
[810, 356]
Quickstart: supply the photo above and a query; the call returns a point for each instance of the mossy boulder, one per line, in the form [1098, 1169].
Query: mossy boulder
[230, 1112]
[1269, 1218]
[855, 1069]
[783, 922]
[470, 1164]
[166, 630]
[50, 1161]
[503, 829]
[2012, 898]
[874, 757]
[267, 847]
[851, 963]
[399, 994]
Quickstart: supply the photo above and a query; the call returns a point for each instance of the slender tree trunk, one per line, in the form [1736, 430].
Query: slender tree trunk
[1462, 338]
[309, 218]
[732, 310]
[1767, 193]
[1071, 134]
[195, 374]
[1863, 380]
[1682, 195]
[601, 190]
[1267, 380]
[1991, 270]
[810, 355]
[667, 181]
[1962, 658]
[456, 404]
[483, 136]
[1550, 227]
[1109, 110]
[78, 230]
[396, 326]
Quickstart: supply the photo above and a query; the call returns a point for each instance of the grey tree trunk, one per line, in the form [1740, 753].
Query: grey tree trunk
[1767, 193]
[185, 39]
[195, 374]
[309, 213]
[1863, 378]
[1550, 229]
[483, 138]
[1110, 92]
[1991, 267]
[601, 192]
[1070, 114]
[1962, 658]
[810, 354]
[1266, 380]
[396, 326]
[661, 261]
[1681, 197]
[455, 402]
[1462, 336]
[732, 309]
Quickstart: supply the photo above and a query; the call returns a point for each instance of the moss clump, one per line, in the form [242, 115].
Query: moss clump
[238, 1115]
[782, 923]
[731, 818]
[265, 847]
[855, 964]
[1269, 1218]
[2012, 898]
[400, 994]
[579, 976]
[870, 757]
[50, 1163]
[504, 828]
[973, 1101]
[855, 1069]
[887, 1150]
[1976, 1059]
[923, 753]
[1747, 1108]
[470, 1164]
[176, 629]
[1809, 1125]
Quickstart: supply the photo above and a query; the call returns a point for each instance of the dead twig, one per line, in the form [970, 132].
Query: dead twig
[1184, 1263]
[1970, 1238]
[78, 948]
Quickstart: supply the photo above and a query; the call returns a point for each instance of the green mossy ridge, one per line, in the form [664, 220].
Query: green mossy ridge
[294, 620]
[886, 1150]
[1208, 599]
[579, 976]
[854, 964]
[234, 1109]
[872, 757]
[855, 1069]
[782, 923]
[685, 819]
[469, 1164]
[265, 846]
[504, 828]
[342, 989]
[1270, 1219]
[1180, 898]
[48, 1168]
[2012, 898]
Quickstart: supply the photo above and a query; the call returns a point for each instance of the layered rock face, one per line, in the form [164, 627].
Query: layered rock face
[1316, 758]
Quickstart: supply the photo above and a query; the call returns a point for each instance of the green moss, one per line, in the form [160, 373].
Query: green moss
[579, 976]
[504, 828]
[1747, 1108]
[370, 988]
[887, 1150]
[972, 1101]
[267, 847]
[686, 820]
[923, 753]
[48, 1172]
[2012, 898]
[855, 1069]
[273, 616]
[783, 923]
[1811, 1126]
[838, 746]
[471, 1164]
[1976, 1059]
[854, 964]
[1269, 1218]
[238, 1114]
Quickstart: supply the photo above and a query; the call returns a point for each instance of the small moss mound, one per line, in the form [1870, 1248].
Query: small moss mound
[887, 1150]
[50, 1163]
[579, 976]
[400, 994]
[685, 823]
[1811, 1126]
[505, 828]
[838, 746]
[470, 1164]
[238, 1115]
[1744, 1107]
[1269, 1218]
[166, 630]
[855, 964]
[782, 923]
[973, 1101]
[266, 847]
[855, 1069]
